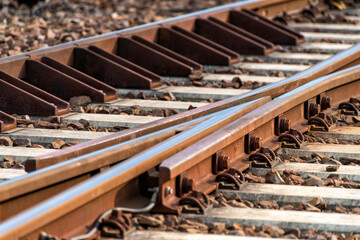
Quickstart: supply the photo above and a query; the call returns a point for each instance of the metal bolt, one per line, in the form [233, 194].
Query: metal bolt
[255, 143]
[325, 102]
[223, 162]
[314, 109]
[168, 191]
[285, 125]
[188, 185]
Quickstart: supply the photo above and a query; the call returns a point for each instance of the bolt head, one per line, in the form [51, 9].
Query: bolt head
[190, 185]
[168, 191]
[314, 109]
[224, 162]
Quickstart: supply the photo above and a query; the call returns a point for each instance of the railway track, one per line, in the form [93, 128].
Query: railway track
[174, 158]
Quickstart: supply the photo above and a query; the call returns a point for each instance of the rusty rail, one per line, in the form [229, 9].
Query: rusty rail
[135, 53]
[187, 176]
[253, 137]
[44, 183]
[342, 60]
[197, 169]
[134, 58]
[94, 161]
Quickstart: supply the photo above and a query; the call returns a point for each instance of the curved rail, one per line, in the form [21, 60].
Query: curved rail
[262, 123]
[42, 184]
[109, 189]
[341, 60]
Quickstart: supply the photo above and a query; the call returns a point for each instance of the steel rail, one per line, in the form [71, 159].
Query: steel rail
[340, 61]
[110, 189]
[299, 107]
[55, 60]
[148, 159]
[64, 54]
[28, 190]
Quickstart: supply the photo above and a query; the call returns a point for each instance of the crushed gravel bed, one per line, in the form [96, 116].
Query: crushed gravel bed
[24, 28]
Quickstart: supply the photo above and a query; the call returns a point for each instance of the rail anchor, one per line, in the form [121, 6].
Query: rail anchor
[115, 225]
[196, 202]
[262, 158]
[292, 139]
[321, 122]
[351, 107]
[231, 179]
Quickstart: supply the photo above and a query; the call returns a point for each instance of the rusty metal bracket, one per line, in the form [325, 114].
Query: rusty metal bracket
[292, 139]
[220, 162]
[20, 97]
[7, 122]
[323, 101]
[195, 202]
[191, 48]
[247, 35]
[151, 59]
[235, 57]
[321, 122]
[232, 176]
[251, 142]
[108, 71]
[17, 101]
[196, 66]
[311, 108]
[228, 38]
[351, 107]
[265, 28]
[59, 84]
[110, 92]
[116, 225]
[281, 125]
[262, 158]
[156, 80]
